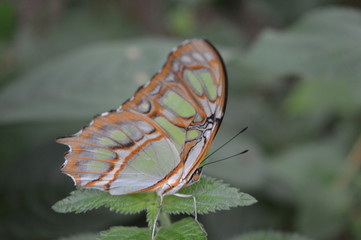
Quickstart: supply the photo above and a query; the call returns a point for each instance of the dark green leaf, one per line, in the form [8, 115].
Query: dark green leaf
[311, 177]
[83, 83]
[270, 235]
[126, 233]
[307, 98]
[323, 50]
[283, 12]
[323, 43]
[84, 236]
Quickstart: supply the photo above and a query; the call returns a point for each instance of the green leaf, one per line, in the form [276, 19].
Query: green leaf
[322, 49]
[309, 97]
[8, 20]
[126, 233]
[182, 230]
[83, 200]
[323, 43]
[211, 195]
[181, 20]
[310, 176]
[283, 12]
[270, 235]
[85, 82]
[152, 209]
[84, 236]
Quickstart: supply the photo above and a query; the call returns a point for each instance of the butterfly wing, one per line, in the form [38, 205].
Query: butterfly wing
[120, 152]
[168, 124]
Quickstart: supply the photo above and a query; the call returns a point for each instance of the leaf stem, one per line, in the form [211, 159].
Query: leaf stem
[164, 219]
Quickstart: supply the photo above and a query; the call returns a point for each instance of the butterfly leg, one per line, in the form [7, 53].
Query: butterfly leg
[195, 208]
[156, 217]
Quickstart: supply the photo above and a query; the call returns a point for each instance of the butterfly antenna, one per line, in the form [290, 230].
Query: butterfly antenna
[219, 160]
[244, 129]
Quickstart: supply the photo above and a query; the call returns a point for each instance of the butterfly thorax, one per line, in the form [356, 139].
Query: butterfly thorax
[173, 182]
[177, 181]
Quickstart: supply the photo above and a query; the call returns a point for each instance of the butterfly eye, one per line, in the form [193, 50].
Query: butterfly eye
[196, 176]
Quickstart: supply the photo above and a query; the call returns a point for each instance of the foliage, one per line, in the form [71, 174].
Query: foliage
[76, 71]
[211, 195]
[84, 236]
[183, 229]
[269, 235]
[332, 68]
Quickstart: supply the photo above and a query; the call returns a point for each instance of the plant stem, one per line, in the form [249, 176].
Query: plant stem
[354, 162]
[164, 219]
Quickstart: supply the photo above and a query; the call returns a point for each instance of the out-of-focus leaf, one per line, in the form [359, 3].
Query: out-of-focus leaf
[86, 82]
[78, 28]
[324, 43]
[323, 49]
[181, 20]
[270, 235]
[91, 80]
[283, 11]
[318, 97]
[84, 236]
[31, 182]
[8, 20]
[311, 176]
[217, 30]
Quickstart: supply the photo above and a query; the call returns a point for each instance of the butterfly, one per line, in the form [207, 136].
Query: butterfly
[157, 139]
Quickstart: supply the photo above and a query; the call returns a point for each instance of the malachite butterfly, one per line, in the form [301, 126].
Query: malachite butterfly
[157, 139]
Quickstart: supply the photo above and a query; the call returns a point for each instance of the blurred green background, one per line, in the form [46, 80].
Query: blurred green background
[294, 72]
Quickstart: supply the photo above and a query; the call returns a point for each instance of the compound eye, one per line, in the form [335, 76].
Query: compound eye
[195, 176]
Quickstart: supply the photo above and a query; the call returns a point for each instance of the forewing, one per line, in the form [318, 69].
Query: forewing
[186, 99]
